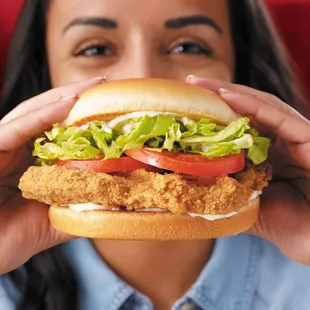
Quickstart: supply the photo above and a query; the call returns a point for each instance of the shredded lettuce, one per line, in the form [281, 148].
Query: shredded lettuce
[161, 132]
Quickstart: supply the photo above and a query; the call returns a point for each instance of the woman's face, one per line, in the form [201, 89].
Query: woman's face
[138, 38]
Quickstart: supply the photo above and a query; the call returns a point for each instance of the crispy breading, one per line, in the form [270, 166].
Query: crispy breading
[136, 190]
[256, 177]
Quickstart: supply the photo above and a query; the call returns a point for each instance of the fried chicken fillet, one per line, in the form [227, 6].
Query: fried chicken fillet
[140, 189]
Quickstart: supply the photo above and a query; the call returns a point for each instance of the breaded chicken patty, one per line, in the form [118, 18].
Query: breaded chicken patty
[141, 189]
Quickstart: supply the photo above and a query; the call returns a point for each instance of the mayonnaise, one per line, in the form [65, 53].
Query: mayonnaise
[151, 210]
[82, 207]
[212, 217]
[255, 194]
[127, 129]
[125, 117]
[104, 127]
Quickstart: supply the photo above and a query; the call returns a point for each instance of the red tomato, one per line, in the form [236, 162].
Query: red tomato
[108, 165]
[189, 163]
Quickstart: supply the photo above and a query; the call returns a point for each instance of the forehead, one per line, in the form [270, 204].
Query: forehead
[148, 12]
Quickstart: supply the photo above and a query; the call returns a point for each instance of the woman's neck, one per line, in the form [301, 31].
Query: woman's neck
[163, 271]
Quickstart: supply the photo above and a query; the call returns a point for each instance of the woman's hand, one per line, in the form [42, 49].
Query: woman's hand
[24, 225]
[285, 205]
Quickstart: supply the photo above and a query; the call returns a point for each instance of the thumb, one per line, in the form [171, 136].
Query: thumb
[53, 238]
[49, 236]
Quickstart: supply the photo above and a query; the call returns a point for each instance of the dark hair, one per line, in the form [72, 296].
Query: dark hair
[261, 62]
[28, 74]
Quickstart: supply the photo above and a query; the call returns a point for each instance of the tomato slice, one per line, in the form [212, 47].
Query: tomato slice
[109, 165]
[189, 163]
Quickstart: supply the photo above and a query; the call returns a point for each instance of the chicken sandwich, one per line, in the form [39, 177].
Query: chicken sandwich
[150, 159]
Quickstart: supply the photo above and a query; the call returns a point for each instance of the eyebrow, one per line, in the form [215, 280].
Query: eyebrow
[92, 21]
[186, 21]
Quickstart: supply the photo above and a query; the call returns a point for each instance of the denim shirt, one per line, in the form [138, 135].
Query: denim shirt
[243, 273]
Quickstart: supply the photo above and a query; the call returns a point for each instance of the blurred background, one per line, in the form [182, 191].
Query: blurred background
[292, 18]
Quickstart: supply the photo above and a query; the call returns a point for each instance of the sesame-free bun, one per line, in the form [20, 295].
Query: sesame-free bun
[131, 225]
[111, 99]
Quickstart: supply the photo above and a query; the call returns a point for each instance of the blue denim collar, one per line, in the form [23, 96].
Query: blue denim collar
[99, 286]
[227, 282]
[229, 279]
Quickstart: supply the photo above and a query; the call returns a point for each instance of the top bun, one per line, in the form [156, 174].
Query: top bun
[111, 99]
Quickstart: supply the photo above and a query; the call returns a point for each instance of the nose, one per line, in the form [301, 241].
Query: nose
[141, 62]
[138, 66]
[140, 58]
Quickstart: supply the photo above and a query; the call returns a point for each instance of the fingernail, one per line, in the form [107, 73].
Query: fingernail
[70, 97]
[100, 78]
[189, 77]
[225, 91]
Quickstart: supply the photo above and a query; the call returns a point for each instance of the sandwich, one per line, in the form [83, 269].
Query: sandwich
[150, 159]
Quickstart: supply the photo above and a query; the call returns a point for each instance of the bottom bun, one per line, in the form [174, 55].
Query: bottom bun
[128, 225]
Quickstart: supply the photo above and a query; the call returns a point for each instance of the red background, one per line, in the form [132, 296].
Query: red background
[8, 14]
[293, 20]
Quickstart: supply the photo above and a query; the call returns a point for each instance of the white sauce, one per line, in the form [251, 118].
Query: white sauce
[84, 127]
[125, 117]
[212, 217]
[185, 120]
[206, 147]
[94, 207]
[151, 210]
[107, 129]
[114, 122]
[104, 127]
[127, 129]
[82, 207]
[255, 194]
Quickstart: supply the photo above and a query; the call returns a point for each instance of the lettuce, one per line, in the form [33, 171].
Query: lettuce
[258, 152]
[234, 130]
[172, 136]
[70, 143]
[161, 132]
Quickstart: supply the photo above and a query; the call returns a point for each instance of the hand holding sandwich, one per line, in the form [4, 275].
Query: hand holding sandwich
[24, 225]
[285, 208]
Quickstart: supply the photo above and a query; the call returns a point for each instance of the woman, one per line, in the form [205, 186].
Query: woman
[221, 41]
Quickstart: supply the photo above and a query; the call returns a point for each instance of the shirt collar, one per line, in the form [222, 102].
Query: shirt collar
[98, 284]
[229, 279]
[226, 282]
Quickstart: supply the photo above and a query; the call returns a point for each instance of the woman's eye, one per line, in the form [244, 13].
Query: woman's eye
[191, 48]
[95, 50]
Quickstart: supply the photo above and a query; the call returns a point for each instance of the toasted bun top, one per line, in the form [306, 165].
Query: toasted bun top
[111, 99]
